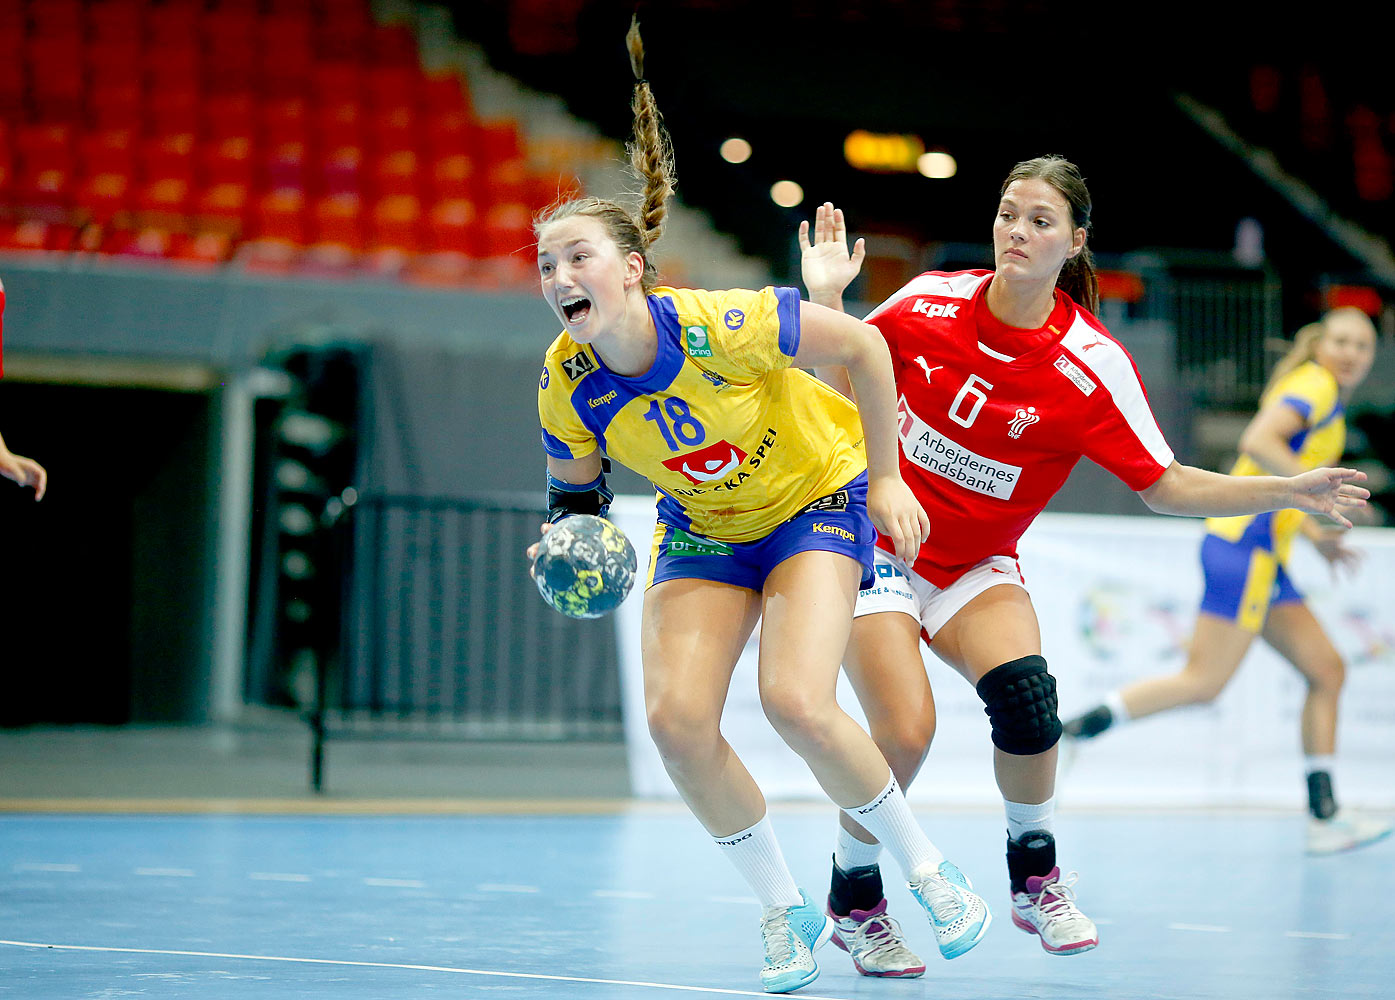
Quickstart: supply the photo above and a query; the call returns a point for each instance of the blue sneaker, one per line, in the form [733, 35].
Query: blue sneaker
[792, 934]
[959, 917]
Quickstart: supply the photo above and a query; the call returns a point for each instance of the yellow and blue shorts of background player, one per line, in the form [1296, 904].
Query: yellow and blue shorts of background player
[834, 523]
[1244, 578]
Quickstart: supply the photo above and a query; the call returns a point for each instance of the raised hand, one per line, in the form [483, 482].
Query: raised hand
[826, 265]
[1330, 492]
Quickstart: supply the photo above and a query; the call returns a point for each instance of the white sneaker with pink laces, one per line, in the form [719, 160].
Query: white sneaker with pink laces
[1047, 909]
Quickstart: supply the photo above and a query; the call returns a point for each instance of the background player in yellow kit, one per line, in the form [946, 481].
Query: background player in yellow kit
[1300, 425]
[769, 485]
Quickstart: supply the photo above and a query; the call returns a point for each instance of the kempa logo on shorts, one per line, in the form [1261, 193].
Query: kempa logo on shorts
[578, 365]
[685, 544]
[698, 346]
[833, 529]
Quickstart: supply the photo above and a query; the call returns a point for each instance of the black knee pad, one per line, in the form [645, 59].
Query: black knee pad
[1020, 700]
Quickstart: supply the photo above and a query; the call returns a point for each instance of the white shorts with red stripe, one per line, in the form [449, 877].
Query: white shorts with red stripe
[900, 588]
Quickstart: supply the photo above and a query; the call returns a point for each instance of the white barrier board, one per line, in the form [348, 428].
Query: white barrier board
[1116, 598]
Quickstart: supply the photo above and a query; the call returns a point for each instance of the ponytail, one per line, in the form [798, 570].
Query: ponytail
[651, 161]
[1079, 280]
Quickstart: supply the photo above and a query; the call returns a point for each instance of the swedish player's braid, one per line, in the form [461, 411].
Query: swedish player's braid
[651, 152]
[651, 159]
[1077, 278]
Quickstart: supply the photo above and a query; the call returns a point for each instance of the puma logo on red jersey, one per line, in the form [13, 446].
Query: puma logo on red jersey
[927, 369]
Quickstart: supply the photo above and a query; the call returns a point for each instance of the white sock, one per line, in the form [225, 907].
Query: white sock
[888, 818]
[1319, 762]
[757, 856]
[1114, 701]
[850, 853]
[1023, 817]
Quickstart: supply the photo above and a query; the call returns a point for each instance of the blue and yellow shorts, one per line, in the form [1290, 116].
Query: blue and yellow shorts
[1243, 580]
[835, 523]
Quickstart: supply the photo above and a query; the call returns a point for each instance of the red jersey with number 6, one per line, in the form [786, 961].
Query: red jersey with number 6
[993, 418]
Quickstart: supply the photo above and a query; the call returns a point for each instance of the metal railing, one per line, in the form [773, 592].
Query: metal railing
[444, 635]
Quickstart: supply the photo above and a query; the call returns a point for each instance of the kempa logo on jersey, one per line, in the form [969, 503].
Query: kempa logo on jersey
[927, 308]
[832, 529]
[608, 397]
[1068, 368]
[578, 365]
[944, 456]
[698, 345]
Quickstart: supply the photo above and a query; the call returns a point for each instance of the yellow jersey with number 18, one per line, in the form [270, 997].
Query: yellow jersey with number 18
[735, 440]
[1312, 391]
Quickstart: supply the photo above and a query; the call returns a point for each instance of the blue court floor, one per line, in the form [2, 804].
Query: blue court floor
[638, 904]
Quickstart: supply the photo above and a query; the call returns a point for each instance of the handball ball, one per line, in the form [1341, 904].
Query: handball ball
[585, 566]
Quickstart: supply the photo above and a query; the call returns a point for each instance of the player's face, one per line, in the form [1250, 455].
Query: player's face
[1033, 235]
[584, 277]
[1347, 349]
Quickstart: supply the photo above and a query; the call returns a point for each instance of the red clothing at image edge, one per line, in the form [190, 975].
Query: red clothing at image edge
[993, 418]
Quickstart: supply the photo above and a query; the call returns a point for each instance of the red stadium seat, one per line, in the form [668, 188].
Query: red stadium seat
[120, 21]
[286, 165]
[507, 230]
[36, 235]
[444, 93]
[453, 176]
[285, 120]
[397, 173]
[394, 128]
[339, 123]
[108, 151]
[338, 222]
[508, 181]
[498, 141]
[104, 196]
[222, 208]
[227, 160]
[453, 226]
[230, 113]
[343, 170]
[392, 45]
[280, 215]
[164, 202]
[169, 155]
[171, 109]
[393, 86]
[451, 132]
[396, 224]
[337, 80]
[117, 106]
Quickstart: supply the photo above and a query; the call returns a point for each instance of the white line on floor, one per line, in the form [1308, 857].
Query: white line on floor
[396, 883]
[621, 894]
[500, 887]
[278, 877]
[42, 867]
[1319, 935]
[166, 872]
[403, 965]
[1210, 928]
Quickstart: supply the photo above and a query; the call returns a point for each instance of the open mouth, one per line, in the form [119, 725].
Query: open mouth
[576, 309]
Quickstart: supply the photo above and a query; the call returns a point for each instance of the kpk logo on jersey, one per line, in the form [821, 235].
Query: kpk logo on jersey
[932, 309]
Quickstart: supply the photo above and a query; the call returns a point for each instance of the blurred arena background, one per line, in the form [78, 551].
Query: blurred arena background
[272, 323]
